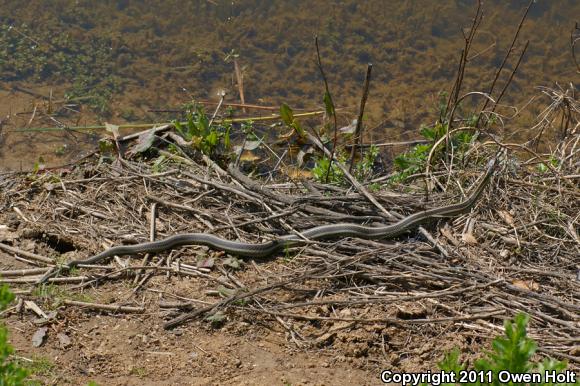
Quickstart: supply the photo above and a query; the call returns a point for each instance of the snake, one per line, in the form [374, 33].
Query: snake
[322, 232]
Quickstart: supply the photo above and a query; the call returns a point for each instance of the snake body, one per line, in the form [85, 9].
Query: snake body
[317, 233]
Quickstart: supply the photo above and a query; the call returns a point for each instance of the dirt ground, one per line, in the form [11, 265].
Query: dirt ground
[134, 349]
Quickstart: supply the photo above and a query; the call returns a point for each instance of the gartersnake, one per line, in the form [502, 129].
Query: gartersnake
[291, 240]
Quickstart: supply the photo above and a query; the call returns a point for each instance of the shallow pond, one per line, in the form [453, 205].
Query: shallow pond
[121, 59]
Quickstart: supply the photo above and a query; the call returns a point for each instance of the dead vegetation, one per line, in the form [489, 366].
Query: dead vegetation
[516, 251]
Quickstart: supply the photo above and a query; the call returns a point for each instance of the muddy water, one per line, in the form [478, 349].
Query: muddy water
[124, 58]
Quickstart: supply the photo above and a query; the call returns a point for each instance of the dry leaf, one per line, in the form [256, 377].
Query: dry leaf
[528, 285]
[6, 235]
[144, 142]
[506, 217]
[248, 156]
[446, 232]
[468, 238]
[297, 174]
[573, 232]
[287, 135]
[113, 129]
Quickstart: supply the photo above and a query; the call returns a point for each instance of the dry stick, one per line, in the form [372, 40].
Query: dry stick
[23, 272]
[280, 197]
[358, 130]
[158, 265]
[559, 354]
[573, 41]
[508, 53]
[240, 79]
[394, 321]
[258, 220]
[30, 255]
[155, 130]
[205, 102]
[511, 76]
[105, 307]
[398, 298]
[387, 144]
[329, 105]
[239, 296]
[36, 279]
[349, 177]
[94, 213]
[365, 193]
[152, 232]
[222, 95]
[196, 212]
[454, 94]
[228, 188]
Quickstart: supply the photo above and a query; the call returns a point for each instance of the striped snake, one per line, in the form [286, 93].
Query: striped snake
[317, 233]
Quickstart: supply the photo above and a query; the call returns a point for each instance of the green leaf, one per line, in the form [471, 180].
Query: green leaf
[427, 132]
[227, 140]
[298, 129]
[328, 104]
[6, 297]
[158, 164]
[212, 138]
[203, 122]
[451, 362]
[286, 114]
[180, 129]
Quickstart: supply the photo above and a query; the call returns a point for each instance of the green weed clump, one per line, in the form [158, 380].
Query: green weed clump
[363, 169]
[203, 136]
[512, 352]
[320, 170]
[415, 160]
[10, 373]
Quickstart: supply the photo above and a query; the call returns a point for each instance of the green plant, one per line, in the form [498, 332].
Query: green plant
[364, 168]
[40, 366]
[203, 136]
[10, 372]
[140, 372]
[320, 171]
[248, 129]
[414, 160]
[288, 118]
[53, 295]
[543, 167]
[511, 353]
[159, 164]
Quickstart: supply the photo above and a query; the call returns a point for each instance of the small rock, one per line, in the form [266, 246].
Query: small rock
[64, 340]
[39, 337]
